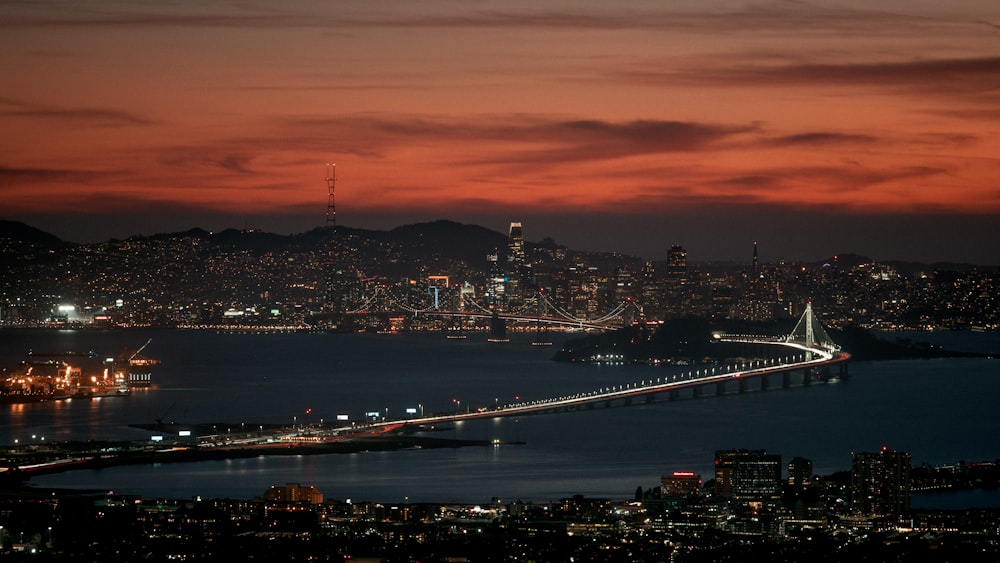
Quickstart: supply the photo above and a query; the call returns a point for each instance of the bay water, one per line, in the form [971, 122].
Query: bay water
[940, 411]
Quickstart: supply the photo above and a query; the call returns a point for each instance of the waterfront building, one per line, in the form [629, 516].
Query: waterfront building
[293, 492]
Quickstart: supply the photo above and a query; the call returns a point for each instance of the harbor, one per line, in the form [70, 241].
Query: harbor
[55, 376]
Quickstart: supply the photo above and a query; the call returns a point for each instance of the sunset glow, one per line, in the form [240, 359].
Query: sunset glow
[184, 111]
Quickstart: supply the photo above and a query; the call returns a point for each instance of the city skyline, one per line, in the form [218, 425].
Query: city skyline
[813, 130]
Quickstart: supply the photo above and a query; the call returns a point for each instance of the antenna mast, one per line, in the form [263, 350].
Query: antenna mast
[331, 206]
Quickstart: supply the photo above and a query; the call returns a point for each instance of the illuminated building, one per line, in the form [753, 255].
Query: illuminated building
[515, 245]
[677, 263]
[751, 476]
[800, 471]
[293, 492]
[680, 483]
[880, 482]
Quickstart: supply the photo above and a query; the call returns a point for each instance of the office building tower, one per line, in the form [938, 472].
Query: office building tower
[677, 263]
[751, 476]
[800, 471]
[515, 245]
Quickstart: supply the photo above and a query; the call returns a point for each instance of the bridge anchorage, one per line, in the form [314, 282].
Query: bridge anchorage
[808, 350]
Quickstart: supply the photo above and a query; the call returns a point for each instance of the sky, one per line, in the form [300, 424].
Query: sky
[814, 128]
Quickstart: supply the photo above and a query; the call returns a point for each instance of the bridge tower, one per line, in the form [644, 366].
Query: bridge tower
[810, 332]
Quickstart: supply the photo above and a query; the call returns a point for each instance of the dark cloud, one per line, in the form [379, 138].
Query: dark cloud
[558, 140]
[19, 177]
[750, 19]
[79, 116]
[823, 138]
[978, 77]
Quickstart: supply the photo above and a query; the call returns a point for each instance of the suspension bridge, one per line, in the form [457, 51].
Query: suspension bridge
[543, 311]
[809, 351]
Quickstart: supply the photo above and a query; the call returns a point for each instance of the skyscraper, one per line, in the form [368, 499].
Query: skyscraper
[880, 482]
[515, 245]
[677, 263]
[517, 270]
[800, 472]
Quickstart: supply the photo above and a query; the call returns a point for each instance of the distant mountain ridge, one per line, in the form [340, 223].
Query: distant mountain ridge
[459, 241]
[24, 233]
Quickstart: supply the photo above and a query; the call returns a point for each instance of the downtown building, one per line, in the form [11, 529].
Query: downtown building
[748, 476]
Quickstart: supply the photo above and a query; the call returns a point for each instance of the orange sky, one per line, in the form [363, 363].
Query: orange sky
[496, 111]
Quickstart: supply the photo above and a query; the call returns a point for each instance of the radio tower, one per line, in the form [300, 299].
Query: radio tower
[329, 283]
[331, 206]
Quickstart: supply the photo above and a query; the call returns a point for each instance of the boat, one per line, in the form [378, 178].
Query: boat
[541, 336]
[498, 329]
[455, 332]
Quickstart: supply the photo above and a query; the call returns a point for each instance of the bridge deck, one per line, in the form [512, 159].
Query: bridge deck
[821, 358]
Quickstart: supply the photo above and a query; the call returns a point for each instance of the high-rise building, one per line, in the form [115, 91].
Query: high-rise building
[650, 292]
[517, 269]
[800, 472]
[751, 476]
[880, 482]
[677, 263]
[515, 245]
[496, 283]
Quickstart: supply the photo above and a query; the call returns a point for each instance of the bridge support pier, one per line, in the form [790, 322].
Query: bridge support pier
[673, 394]
[764, 383]
[696, 391]
[651, 397]
[786, 379]
[628, 401]
[720, 388]
[743, 385]
[806, 376]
